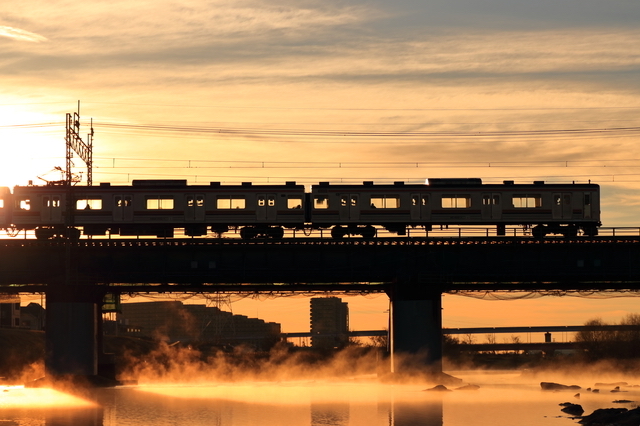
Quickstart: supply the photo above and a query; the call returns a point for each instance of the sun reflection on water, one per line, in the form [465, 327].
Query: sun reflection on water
[44, 398]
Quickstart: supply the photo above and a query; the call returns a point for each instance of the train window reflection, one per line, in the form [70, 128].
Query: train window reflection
[527, 201]
[456, 201]
[230, 203]
[89, 204]
[385, 202]
[159, 203]
[294, 203]
[320, 203]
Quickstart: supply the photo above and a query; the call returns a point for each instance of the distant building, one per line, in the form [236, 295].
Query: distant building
[174, 321]
[329, 322]
[32, 316]
[9, 311]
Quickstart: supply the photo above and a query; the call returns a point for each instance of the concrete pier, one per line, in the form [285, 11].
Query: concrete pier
[72, 332]
[416, 329]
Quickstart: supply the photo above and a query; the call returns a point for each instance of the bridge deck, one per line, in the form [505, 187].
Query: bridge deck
[439, 264]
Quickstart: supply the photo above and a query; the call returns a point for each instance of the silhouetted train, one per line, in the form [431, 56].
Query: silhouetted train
[159, 207]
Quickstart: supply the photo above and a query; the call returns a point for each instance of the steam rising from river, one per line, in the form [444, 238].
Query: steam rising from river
[173, 364]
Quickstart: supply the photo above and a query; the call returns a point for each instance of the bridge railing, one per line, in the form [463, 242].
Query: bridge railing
[419, 232]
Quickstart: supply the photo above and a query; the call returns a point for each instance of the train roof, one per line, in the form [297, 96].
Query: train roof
[470, 183]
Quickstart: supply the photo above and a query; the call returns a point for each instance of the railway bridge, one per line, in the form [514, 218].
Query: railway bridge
[414, 272]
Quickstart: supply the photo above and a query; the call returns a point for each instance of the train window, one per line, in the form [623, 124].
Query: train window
[230, 203]
[294, 203]
[159, 203]
[587, 200]
[197, 201]
[557, 200]
[24, 204]
[418, 200]
[527, 201]
[89, 204]
[271, 201]
[261, 201]
[1, 203]
[456, 201]
[320, 203]
[51, 202]
[385, 202]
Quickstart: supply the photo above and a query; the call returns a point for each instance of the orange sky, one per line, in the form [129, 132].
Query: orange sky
[331, 91]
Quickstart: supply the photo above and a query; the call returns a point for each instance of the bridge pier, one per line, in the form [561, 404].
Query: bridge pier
[73, 341]
[416, 329]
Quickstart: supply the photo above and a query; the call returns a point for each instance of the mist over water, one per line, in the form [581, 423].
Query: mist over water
[182, 386]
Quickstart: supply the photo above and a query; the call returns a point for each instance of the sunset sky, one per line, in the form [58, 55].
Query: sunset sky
[334, 91]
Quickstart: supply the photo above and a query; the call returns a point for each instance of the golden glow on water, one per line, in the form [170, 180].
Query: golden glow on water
[286, 393]
[39, 398]
[502, 399]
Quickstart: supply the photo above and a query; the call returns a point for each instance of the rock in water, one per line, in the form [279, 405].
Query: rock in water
[608, 416]
[468, 387]
[438, 388]
[572, 409]
[557, 386]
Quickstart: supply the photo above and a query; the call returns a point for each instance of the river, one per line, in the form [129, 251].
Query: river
[504, 398]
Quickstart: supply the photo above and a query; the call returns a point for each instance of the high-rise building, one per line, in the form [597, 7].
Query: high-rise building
[329, 322]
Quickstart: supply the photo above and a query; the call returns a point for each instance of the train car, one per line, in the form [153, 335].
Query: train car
[159, 207]
[5, 207]
[546, 208]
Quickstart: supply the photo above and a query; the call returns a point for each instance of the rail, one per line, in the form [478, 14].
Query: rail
[325, 234]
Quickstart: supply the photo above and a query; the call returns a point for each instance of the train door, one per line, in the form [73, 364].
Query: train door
[51, 209]
[123, 208]
[587, 205]
[420, 207]
[491, 206]
[266, 209]
[349, 207]
[561, 208]
[194, 208]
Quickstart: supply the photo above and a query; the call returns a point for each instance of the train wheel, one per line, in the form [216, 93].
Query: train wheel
[538, 231]
[571, 232]
[277, 232]
[369, 232]
[590, 231]
[248, 232]
[44, 233]
[74, 233]
[337, 232]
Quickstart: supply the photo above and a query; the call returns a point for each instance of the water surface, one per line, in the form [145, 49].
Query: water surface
[503, 399]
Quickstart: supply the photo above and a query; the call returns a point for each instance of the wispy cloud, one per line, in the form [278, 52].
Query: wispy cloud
[18, 34]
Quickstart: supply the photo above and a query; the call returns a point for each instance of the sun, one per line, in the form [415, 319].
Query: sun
[32, 144]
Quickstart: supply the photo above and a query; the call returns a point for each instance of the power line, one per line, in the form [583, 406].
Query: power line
[210, 164]
[292, 132]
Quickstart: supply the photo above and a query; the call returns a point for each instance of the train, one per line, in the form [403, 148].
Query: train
[161, 207]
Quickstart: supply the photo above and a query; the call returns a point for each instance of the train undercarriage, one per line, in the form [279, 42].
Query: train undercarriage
[259, 231]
